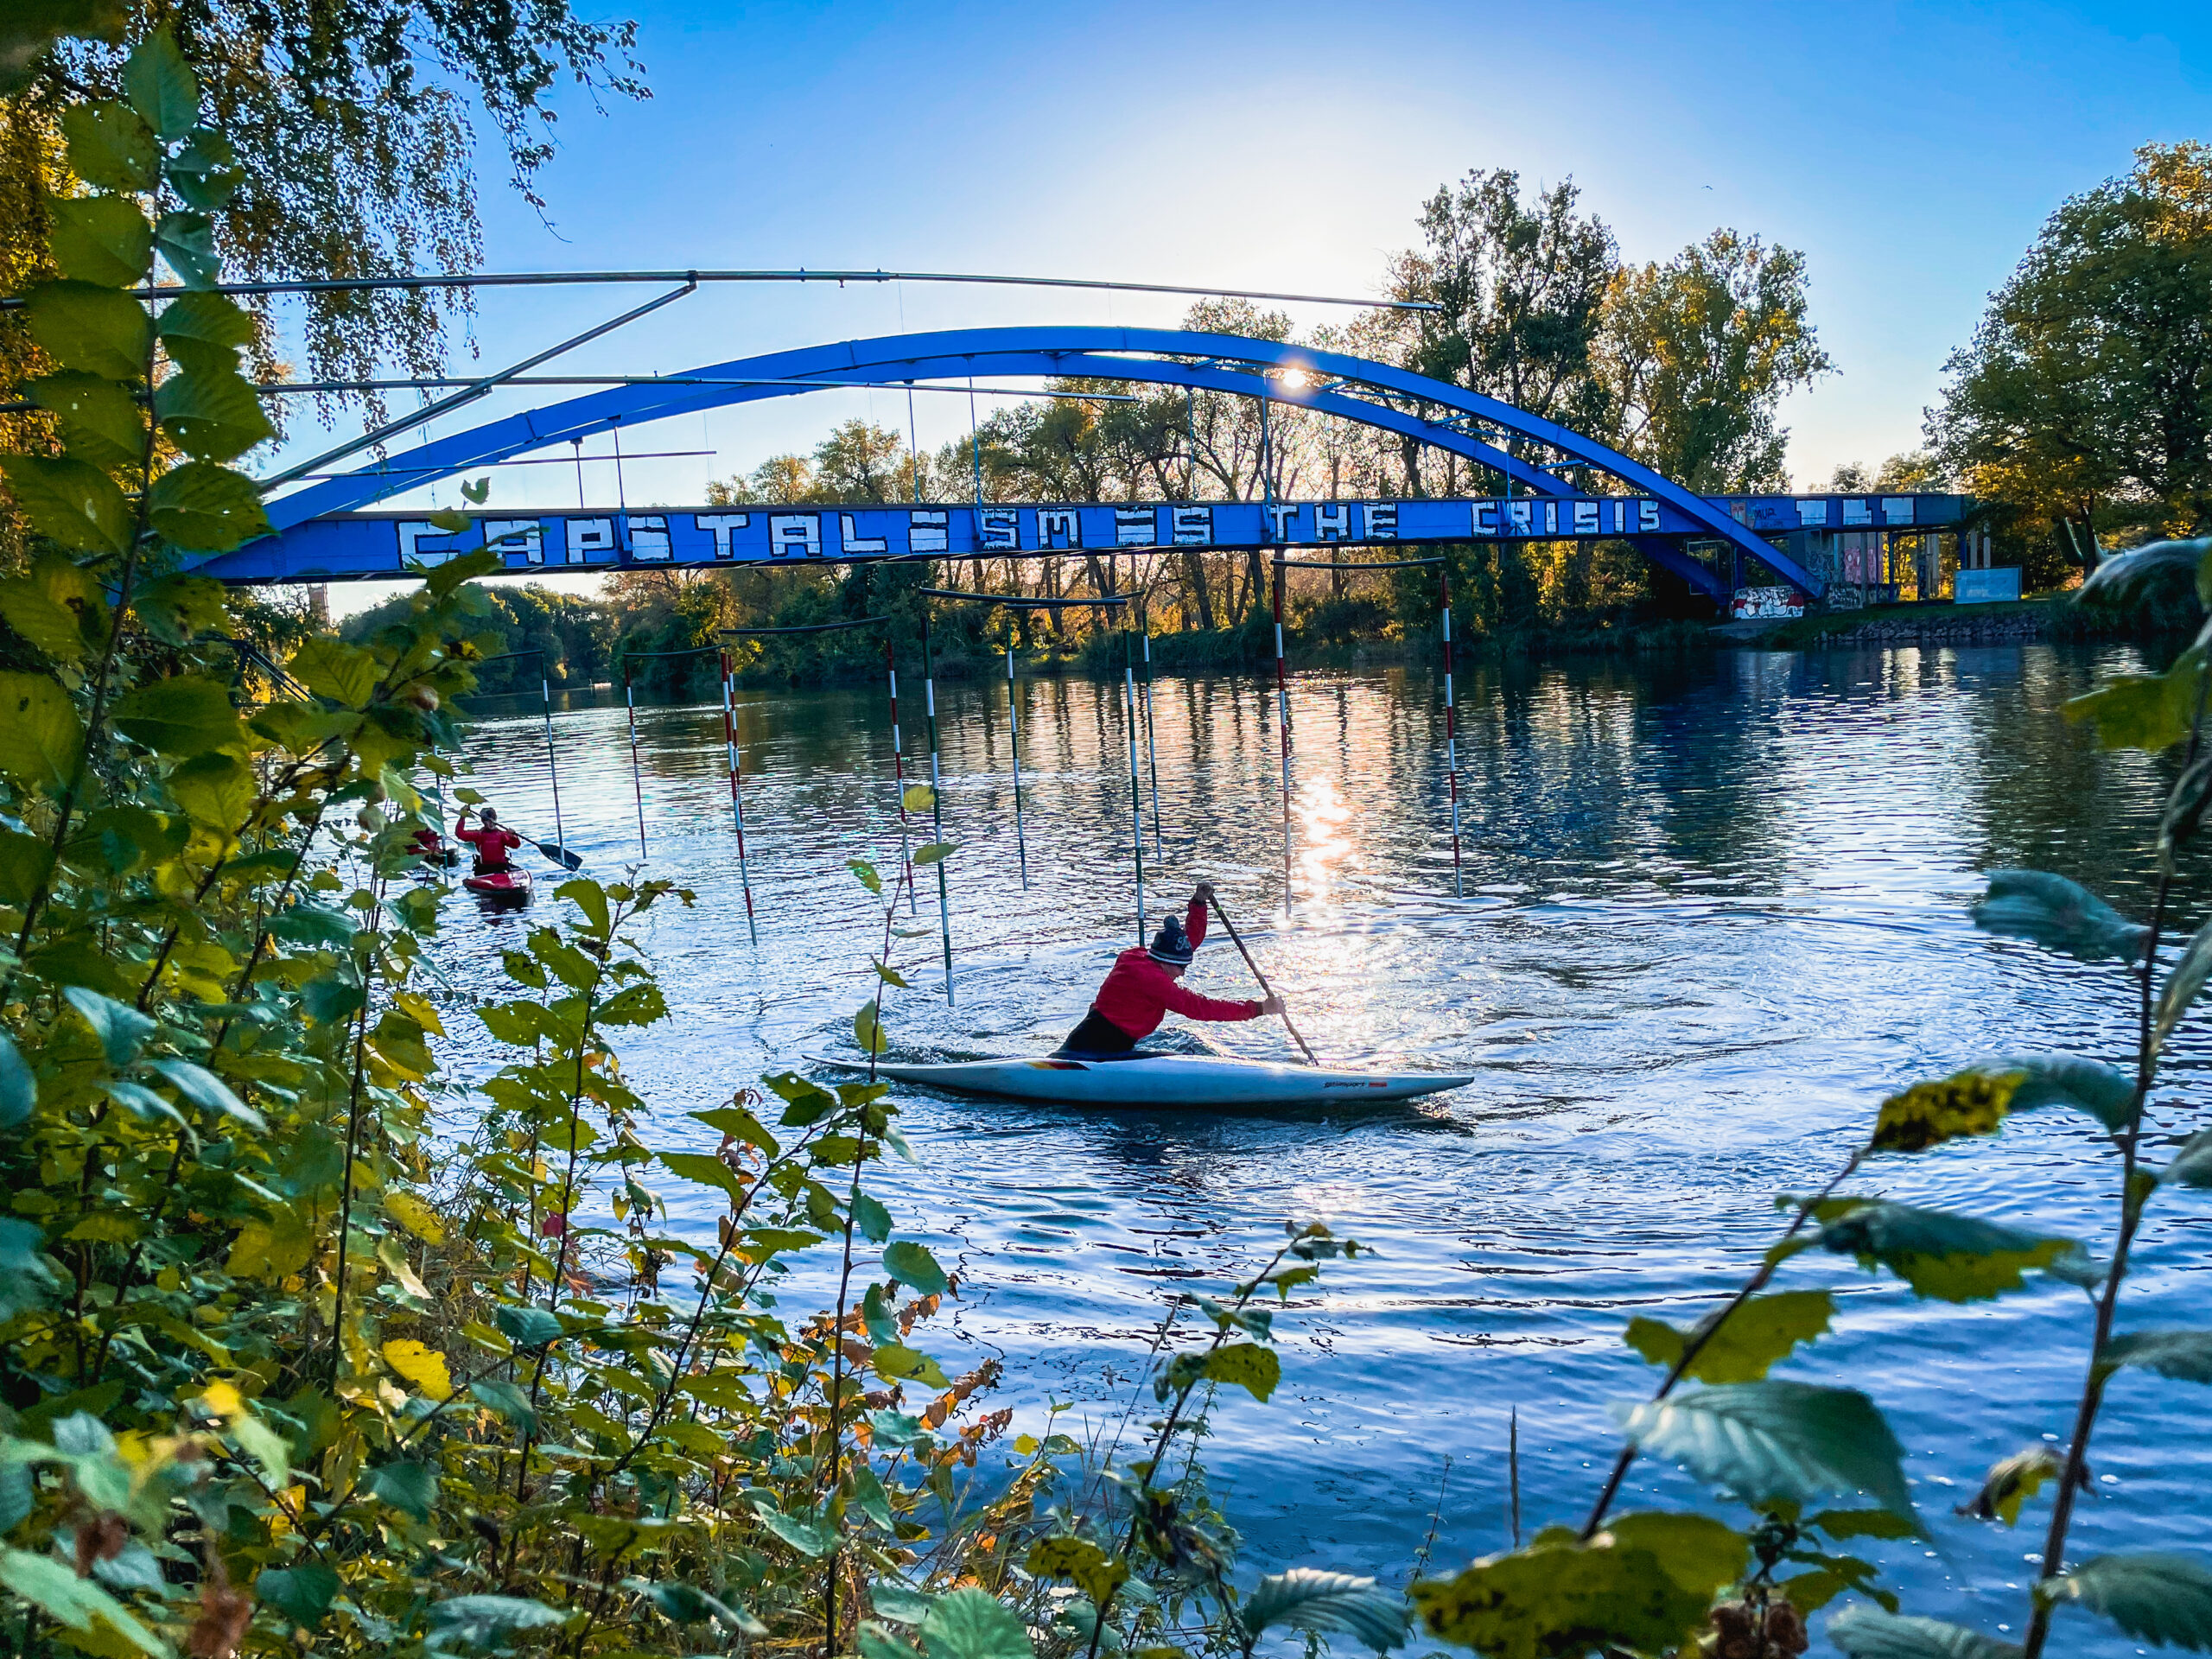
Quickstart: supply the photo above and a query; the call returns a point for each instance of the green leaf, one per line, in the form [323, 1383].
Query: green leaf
[2183, 985]
[911, 1264]
[1776, 1439]
[871, 1218]
[1699, 1552]
[866, 871]
[57, 1591]
[2063, 1080]
[101, 422]
[867, 1029]
[486, 1621]
[84, 326]
[208, 320]
[810, 1538]
[39, 734]
[687, 1605]
[72, 503]
[25, 1279]
[443, 579]
[934, 852]
[109, 146]
[971, 1623]
[103, 239]
[1096, 1574]
[2059, 915]
[202, 172]
[704, 1168]
[207, 1091]
[2011, 1483]
[889, 975]
[1968, 1102]
[18, 1090]
[1327, 1604]
[411, 1488]
[1248, 1366]
[1952, 1258]
[528, 1327]
[206, 508]
[37, 607]
[186, 241]
[175, 609]
[2143, 711]
[122, 1029]
[1864, 1632]
[2178, 1355]
[898, 1362]
[2157, 1598]
[1757, 1335]
[161, 87]
[1558, 1597]
[918, 797]
[330, 668]
[186, 716]
[2192, 1165]
[509, 1400]
[1863, 1523]
[302, 1593]
[215, 416]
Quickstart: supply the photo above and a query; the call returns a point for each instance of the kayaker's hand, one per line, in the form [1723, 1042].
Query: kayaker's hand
[1203, 893]
[1271, 1004]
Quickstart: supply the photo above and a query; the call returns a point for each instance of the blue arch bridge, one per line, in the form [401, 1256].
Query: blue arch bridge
[1803, 545]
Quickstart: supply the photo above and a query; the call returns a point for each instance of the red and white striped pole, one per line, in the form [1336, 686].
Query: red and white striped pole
[1450, 728]
[898, 772]
[737, 804]
[1283, 725]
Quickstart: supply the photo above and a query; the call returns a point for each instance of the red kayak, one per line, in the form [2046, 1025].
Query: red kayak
[504, 887]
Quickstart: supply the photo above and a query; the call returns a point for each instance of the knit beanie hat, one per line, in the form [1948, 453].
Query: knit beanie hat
[1171, 945]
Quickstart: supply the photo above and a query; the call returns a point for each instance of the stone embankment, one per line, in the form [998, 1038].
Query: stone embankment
[2002, 630]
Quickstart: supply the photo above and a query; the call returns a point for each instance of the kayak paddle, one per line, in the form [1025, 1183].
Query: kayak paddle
[560, 855]
[1266, 988]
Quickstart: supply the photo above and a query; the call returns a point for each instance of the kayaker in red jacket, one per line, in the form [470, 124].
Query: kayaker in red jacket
[491, 843]
[1142, 989]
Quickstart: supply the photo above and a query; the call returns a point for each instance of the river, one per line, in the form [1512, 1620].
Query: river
[1715, 910]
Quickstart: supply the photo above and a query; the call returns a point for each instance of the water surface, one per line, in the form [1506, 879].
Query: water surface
[1712, 913]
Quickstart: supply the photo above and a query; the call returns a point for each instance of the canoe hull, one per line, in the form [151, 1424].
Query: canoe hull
[1170, 1082]
[510, 888]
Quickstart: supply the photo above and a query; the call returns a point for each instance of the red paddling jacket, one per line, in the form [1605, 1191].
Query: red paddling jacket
[1138, 994]
[491, 847]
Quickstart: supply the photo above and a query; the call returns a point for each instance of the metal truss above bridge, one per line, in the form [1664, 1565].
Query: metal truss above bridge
[322, 533]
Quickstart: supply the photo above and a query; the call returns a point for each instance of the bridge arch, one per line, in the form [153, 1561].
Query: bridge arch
[1435, 412]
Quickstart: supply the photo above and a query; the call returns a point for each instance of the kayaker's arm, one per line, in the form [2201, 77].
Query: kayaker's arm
[1192, 1006]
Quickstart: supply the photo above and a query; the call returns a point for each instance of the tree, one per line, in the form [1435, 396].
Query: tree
[1520, 289]
[348, 126]
[1696, 355]
[1911, 470]
[2086, 394]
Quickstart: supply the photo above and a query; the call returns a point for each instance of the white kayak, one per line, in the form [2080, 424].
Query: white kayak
[1166, 1081]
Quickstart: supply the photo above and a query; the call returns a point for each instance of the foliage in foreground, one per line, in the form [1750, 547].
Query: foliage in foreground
[304, 1342]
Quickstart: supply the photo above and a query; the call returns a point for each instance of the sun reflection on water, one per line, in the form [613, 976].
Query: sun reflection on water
[1320, 838]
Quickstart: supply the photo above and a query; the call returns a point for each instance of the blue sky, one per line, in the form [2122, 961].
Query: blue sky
[1911, 151]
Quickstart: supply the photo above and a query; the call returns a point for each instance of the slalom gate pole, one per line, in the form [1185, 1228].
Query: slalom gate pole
[1283, 725]
[1451, 727]
[1266, 989]
[637, 780]
[1013, 743]
[736, 804]
[937, 796]
[1151, 745]
[899, 774]
[1136, 795]
[553, 772]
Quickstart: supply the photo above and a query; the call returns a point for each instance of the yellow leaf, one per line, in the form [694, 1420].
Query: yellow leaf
[1927, 1114]
[416, 1216]
[419, 1365]
[271, 1249]
[223, 1400]
[417, 1007]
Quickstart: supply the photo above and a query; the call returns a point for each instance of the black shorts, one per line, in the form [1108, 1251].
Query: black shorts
[1097, 1035]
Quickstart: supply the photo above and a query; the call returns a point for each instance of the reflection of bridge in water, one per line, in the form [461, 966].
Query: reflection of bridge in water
[1715, 544]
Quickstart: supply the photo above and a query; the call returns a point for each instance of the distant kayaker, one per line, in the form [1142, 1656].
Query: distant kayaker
[491, 843]
[1141, 989]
